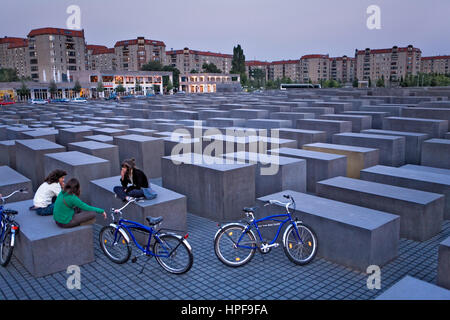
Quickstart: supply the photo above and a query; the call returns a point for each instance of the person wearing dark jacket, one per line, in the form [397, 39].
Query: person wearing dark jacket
[134, 183]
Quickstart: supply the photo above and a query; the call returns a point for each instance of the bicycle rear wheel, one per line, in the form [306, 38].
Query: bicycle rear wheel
[227, 249]
[117, 251]
[173, 260]
[6, 250]
[300, 251]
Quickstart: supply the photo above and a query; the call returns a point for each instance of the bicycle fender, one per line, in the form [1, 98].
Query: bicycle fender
[180, 238]
[123, 233]
[287, 230]
[230, 224]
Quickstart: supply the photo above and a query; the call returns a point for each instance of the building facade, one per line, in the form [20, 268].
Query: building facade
[14, 55]
[207, 82]
[187, 60]
[100, 58]
[314, 68]
[285, 69]
[342, 69]
[253, 65]
[55, 53]
[436, 64]
[388, 64]
[131, 55]
[134, 82]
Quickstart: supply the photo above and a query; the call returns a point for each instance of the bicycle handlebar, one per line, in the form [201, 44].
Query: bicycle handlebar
[284, 204]
[24, 190]
[113, 211]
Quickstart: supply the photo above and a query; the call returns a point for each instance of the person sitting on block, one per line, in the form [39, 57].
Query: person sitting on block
[139, 188]
[65, 213]
[45, 196]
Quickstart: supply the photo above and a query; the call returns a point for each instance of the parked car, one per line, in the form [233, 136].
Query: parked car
[38, 101]
[79, 100]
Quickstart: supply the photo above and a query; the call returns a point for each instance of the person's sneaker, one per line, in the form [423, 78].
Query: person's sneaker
[129, 198]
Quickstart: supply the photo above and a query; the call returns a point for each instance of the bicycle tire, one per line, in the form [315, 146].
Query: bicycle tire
[183, 246]
[238, 256]
[6, 250]
[291, 245]
[106, 236]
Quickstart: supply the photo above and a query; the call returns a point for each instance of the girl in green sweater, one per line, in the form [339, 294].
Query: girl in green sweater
[68, 199]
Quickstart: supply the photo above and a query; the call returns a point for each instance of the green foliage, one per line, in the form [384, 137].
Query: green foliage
[331, 84]
[138, 86]
[23, 90]
[100, 87]
[426, 80]
[120, 88]
[238, 64]
[193, 71]
[53, 88]
[355, 83]
[77, 87]
[8, 75]
[210, 68]
[157, 66]
[380, 82]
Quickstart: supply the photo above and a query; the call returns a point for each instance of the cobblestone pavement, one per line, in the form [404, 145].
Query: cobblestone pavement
[270, 276]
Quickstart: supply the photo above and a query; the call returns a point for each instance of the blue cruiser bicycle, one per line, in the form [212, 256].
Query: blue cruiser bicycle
[8, 229]
[235, 243]
[171, 250]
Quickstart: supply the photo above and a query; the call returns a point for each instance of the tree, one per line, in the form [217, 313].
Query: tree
[238, 64]
[380, 82]
[355, 83]
[53, 88]
[23, 91]
[157, 66]
[210, 68]
[193, 71]
[169, 85]
[138, 87]
[120, 88]
[77, 87]
[370, 83]
[8, 75]
[100, 87]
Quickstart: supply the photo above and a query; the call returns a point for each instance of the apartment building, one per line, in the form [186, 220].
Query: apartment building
[54, 53]
[285, 69]
[342, 69]
[187, 60]
[14, 55]
[253, 65]
[314, 68]
[100, 58]
[390, 64]
[436, 64]
[131, 55]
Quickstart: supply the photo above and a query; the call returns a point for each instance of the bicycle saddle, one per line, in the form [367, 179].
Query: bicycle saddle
[10, 212]
[252, 209]
[152, 221]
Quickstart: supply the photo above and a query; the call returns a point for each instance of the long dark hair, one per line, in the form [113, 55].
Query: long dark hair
[55, 175]
[73, 187]
[129, 164]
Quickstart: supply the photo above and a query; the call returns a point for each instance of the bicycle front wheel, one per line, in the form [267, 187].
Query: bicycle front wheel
[301, 250]
[173, 253]
[6, 249]
[230, 250]
[116, 248]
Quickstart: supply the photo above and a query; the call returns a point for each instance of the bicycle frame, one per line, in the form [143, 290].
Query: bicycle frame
[129, 225]
[254, 224]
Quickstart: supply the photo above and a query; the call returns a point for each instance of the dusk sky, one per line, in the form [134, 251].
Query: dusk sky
[266, 29]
